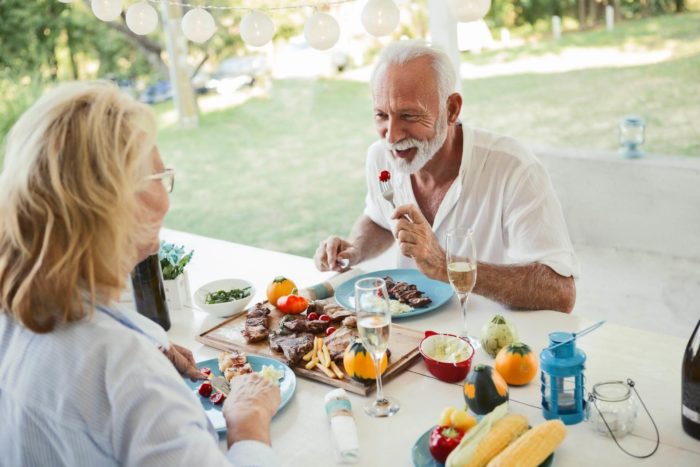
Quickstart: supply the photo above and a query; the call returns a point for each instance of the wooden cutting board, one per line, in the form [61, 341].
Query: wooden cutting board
[228, 336]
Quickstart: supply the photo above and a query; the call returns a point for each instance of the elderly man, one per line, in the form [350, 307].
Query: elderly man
[447, 176]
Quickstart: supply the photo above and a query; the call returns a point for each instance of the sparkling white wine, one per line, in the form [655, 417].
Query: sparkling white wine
[462, 276]
[149, 292]
[690, 384]
[374, 332]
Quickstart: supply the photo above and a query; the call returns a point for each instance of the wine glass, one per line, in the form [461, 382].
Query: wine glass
[374, 326]
[461, 270]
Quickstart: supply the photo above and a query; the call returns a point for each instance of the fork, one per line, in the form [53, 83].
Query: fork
[388, 194]
[221, 384]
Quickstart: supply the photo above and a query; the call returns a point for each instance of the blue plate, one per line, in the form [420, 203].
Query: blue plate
[422, 458]
[439, 292]
[288, 384]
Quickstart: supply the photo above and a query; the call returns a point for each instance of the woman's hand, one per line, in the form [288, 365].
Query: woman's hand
[183, 361]
[249, 408]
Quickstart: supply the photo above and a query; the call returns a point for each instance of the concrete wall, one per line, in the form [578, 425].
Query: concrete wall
[650, 204]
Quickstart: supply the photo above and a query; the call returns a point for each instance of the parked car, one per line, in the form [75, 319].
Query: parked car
[157, 92]
[234, 73]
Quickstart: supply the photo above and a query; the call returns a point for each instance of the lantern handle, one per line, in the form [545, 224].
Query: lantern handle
[578, 334]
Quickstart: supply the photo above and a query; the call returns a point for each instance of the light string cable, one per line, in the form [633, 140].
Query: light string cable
[314, 5]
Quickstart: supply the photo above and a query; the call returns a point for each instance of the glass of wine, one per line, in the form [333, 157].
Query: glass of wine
[461, 270]
[374, 326]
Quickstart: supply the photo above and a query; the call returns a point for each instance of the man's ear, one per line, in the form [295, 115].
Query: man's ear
[454, 107]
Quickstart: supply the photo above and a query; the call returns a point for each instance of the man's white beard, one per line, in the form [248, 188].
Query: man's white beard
[425, 150]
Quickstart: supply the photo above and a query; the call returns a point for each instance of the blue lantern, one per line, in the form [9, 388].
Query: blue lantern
[631, 131]
[562, 379]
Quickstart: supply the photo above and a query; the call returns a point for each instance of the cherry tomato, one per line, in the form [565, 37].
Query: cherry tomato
[312, 316]
[205, 389]
[217, 398]
[330, 330]
[205, 370]
[325, 318]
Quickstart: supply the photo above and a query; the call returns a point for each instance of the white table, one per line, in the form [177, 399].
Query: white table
[300, 432]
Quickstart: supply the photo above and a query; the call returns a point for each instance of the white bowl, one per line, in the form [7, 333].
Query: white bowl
[223, 310]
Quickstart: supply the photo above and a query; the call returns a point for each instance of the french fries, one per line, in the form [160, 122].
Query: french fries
[320, 357]
[337, 371]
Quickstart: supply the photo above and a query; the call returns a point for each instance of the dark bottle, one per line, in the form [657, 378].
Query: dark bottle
[690, 384]
[149, 293]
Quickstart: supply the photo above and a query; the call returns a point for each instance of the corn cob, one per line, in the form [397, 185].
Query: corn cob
[503, 432]
[532, 448]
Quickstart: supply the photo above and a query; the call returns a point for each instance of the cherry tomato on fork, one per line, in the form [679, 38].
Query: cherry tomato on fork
[205, 389]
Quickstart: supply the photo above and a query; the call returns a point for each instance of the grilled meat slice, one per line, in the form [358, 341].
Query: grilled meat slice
[420, 302]
[339, 341]
[337, 313]
[293, 347]
[406, 293]
[303, 325]
[315, 306]
[409, 294]
[262, 321]
[234, 371]
[258, 311]
[256, 323]
[255, 333]
[350, 321]
[229, 359]
[389, 281]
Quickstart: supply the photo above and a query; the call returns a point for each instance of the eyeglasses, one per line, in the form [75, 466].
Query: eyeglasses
[167, 178]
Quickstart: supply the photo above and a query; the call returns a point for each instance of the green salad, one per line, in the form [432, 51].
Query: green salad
[223, 296]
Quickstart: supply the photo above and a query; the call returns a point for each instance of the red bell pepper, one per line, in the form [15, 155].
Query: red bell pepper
[443, 440]
[292, 304]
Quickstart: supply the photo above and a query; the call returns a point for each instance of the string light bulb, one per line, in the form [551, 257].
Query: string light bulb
[107, 10]
[321, 31]
[141, 18]
[380, 17]
[257, 28]
[198, 25]
[470, 10]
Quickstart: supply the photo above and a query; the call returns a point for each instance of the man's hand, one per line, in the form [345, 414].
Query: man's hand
[183, 361]
[249, 408]
[335, 254]
[417, 240]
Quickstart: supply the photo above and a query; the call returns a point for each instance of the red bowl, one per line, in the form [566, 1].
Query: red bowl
[445, 371]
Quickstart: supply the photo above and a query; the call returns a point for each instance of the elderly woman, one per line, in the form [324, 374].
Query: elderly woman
[81, 383]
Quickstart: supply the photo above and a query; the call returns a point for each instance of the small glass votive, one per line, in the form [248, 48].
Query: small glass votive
[611, 403]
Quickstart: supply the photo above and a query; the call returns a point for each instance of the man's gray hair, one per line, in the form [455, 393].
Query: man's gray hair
[400, 52]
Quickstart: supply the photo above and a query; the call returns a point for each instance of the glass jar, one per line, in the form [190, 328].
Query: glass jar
[615, 404]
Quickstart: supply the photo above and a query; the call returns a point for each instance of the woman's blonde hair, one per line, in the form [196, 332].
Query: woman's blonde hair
[74, 163]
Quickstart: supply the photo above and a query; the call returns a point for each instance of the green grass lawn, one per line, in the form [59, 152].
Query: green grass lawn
[284, 171]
